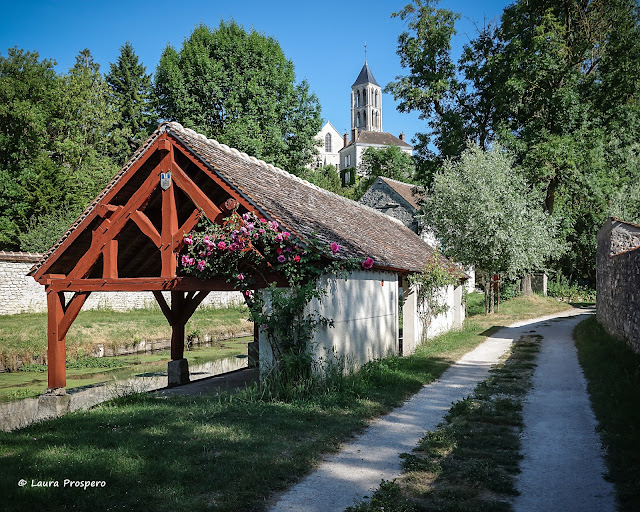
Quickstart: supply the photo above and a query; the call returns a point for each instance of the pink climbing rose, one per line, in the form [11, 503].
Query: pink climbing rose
[335, 247]
[240, 277]
[282, 258]
[201, 265]
[296, 258]
[368, 263]
[222, 246]
[188, 240]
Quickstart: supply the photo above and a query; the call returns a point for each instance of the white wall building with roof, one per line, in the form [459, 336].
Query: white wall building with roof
[330, 142]
[366, 129]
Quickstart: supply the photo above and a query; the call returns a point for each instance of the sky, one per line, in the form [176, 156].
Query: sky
[324, 39]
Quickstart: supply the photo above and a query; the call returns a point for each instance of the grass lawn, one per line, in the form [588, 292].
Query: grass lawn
[612, 370]
[223, 453]
[25, 335]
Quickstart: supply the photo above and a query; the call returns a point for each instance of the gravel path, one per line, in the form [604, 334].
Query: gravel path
[357, 470]
[563, 466]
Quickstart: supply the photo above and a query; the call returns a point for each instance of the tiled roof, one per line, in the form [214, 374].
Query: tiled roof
[380, 138]
[405, 190]
[365, 76]
[300, 207]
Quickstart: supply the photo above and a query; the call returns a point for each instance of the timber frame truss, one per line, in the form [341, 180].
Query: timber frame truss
[107, 221]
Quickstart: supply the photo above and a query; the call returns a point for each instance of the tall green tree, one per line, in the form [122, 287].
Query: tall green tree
[239, 88]
[131, 95]
[556, 82]
[28, 94]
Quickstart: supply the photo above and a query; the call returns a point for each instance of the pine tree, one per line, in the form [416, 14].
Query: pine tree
[131, 97]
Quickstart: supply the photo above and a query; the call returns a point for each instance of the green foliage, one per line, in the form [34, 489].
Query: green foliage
[131, 95]
[555, 83]
[430, 285]
[390, 162]
[325, 177]
[486, 216]
[54, 145]
[239, 88]
[42, 232]
[562, 288]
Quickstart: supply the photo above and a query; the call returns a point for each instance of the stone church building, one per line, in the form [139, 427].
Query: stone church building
[344, 152]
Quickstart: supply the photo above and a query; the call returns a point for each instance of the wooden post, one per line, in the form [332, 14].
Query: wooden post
[56, 349]
[177, 327]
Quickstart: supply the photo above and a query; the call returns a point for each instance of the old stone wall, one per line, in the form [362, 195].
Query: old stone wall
[618, 281]
[20, 293]
[386, 200]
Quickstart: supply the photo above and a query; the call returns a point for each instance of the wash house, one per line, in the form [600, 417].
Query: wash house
[131, 236]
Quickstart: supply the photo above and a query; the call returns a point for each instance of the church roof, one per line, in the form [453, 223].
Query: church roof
[379, 138]
[300, 207]
[365, 76]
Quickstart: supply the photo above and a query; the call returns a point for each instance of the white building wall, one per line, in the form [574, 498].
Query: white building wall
[337, 143]
[364, 310]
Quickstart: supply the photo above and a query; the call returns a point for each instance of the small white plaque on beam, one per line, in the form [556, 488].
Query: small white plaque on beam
[165, 180]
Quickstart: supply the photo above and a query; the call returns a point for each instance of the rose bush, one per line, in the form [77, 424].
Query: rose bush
[253, 254]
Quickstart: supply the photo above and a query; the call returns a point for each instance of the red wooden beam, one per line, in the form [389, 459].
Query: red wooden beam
[146, 226]
[110, 259]
[71, 311]
[149, 284]
[188, 225]
[198, 197]
[56, 344]
[214, 176]
[114, 225]
[169, 225]
[177, 327]
[164, 307]
[123, 180]
[191, 304]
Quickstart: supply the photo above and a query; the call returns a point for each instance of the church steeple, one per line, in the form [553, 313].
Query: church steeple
[366, 102]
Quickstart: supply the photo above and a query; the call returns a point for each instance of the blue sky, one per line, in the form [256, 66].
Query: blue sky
[324, 39]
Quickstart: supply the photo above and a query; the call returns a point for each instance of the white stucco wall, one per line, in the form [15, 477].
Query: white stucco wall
[413, 328]
[337, 143]
[364, 309]
[20, 293]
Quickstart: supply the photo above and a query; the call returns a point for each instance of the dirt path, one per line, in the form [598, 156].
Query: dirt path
[563, 466]
[357, 470]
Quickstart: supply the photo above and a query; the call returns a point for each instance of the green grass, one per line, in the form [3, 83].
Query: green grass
[24, 336]
[223, 453]
[612, 370]
[470, 462]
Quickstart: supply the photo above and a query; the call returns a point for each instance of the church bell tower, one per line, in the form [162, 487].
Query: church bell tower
[366, 102]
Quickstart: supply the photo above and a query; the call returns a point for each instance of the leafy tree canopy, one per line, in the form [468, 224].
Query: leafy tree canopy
[555, 82]
[239, 88]
[130, 95]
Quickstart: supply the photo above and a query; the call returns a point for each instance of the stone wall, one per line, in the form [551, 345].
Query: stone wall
[20, 293]
[618, 281]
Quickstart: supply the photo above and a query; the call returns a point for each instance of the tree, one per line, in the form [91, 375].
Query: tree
[486, 215]
[131, 94]
[28, 90]
[554, 82]
[239, 88]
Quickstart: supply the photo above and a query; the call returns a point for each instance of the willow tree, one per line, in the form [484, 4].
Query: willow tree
[487, 216]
